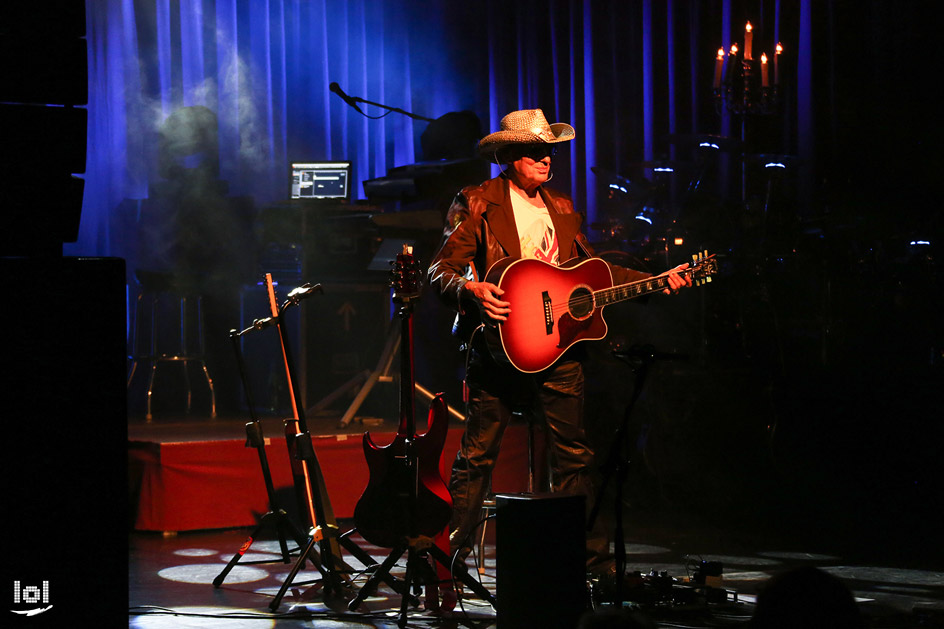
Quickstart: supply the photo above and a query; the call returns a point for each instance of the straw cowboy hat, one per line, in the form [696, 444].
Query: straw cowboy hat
[528, 126]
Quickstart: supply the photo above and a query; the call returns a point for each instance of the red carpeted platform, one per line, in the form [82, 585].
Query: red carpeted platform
[213, 484]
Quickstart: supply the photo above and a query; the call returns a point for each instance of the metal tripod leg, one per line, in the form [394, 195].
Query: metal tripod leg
[379, 574]
[381, 373]
[351, 546]
[281, 522]
[309, 550]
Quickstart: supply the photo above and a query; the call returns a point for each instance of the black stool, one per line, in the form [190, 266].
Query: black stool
[154, 288]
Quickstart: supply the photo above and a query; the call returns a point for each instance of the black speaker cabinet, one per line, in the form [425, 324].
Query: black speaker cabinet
[541, 559]
[65, 440]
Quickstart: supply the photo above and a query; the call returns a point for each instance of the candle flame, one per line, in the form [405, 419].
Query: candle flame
[721, 53]
[779, 48]
[734, 49]
[748, 27]
[763, 57]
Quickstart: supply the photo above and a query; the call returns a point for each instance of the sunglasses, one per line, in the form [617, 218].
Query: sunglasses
[537, 152]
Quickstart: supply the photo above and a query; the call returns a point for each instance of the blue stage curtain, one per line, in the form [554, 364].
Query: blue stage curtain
[624, 74]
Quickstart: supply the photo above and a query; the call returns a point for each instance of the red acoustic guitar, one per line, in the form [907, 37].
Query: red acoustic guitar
[552, 308]
[406, 496]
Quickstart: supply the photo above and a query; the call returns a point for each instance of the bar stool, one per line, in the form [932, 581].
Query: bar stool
[155, 289]
[489, 505]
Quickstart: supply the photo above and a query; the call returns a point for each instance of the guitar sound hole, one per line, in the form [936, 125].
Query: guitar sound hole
[580, 303]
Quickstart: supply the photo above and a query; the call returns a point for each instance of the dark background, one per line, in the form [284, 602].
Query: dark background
[809, 373]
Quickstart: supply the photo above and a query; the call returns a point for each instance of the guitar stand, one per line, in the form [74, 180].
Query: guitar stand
[418, 551]
[276, 517]
[333, 581]
[640, 358]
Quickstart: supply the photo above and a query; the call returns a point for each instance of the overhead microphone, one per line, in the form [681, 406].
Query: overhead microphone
[334, 87]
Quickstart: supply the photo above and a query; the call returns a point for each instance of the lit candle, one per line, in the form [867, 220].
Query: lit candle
[748, 38]
[777, 65]
[719, 63]
[763, 69]
[732, 61]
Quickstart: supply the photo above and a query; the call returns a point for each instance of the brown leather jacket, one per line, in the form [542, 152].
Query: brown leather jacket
[480, 230]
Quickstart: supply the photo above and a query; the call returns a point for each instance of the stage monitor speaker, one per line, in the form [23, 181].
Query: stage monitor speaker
[541, 556]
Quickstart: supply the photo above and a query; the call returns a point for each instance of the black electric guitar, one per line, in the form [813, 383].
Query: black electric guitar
[406, 496]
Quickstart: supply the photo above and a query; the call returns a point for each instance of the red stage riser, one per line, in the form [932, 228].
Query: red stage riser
[197, 485]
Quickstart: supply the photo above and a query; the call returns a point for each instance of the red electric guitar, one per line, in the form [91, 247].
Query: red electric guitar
[552, 308]
[406, 496]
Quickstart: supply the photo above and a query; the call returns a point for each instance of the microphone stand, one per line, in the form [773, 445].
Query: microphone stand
[351, 100]
[641, 359]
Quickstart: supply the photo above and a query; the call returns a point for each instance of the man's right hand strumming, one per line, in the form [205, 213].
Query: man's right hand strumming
[486, 295]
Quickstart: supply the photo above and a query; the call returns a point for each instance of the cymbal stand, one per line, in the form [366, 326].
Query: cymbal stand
[275, 517]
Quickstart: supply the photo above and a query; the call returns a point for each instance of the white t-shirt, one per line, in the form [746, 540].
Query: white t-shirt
[535, 230]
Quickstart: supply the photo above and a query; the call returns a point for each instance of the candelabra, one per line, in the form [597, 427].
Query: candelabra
[742, 83]
[738, 87]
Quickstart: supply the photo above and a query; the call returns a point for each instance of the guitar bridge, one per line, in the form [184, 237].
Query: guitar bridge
[548, 314]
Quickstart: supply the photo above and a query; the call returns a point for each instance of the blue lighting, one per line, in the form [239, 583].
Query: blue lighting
[709, 145]
[620, 188]
[663, 170]
[775, 165]
[640, 217]
[921, 242]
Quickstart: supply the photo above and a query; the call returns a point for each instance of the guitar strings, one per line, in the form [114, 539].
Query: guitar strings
[591, 298]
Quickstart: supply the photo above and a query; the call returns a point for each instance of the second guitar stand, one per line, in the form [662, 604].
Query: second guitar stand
[275, 518]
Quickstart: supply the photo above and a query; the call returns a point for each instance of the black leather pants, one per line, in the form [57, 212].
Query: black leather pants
[555, 395]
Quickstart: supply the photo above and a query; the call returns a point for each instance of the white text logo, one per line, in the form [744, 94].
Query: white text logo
[31, 595]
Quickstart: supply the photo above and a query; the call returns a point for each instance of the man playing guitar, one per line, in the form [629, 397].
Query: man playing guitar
[516, 216]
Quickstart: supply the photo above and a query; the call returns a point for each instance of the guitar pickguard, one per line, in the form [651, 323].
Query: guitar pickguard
[571, 329]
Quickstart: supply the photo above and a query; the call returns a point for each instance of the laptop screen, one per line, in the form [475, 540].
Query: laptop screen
[320, 180]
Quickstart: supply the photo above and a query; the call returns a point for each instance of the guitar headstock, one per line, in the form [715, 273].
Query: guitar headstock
[703, 267]
[405, 276]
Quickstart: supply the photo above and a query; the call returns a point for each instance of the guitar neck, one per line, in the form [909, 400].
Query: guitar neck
[632, 290]
[407, 379]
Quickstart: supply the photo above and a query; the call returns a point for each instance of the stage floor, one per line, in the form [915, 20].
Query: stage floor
[892, 567]
[171, 581]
